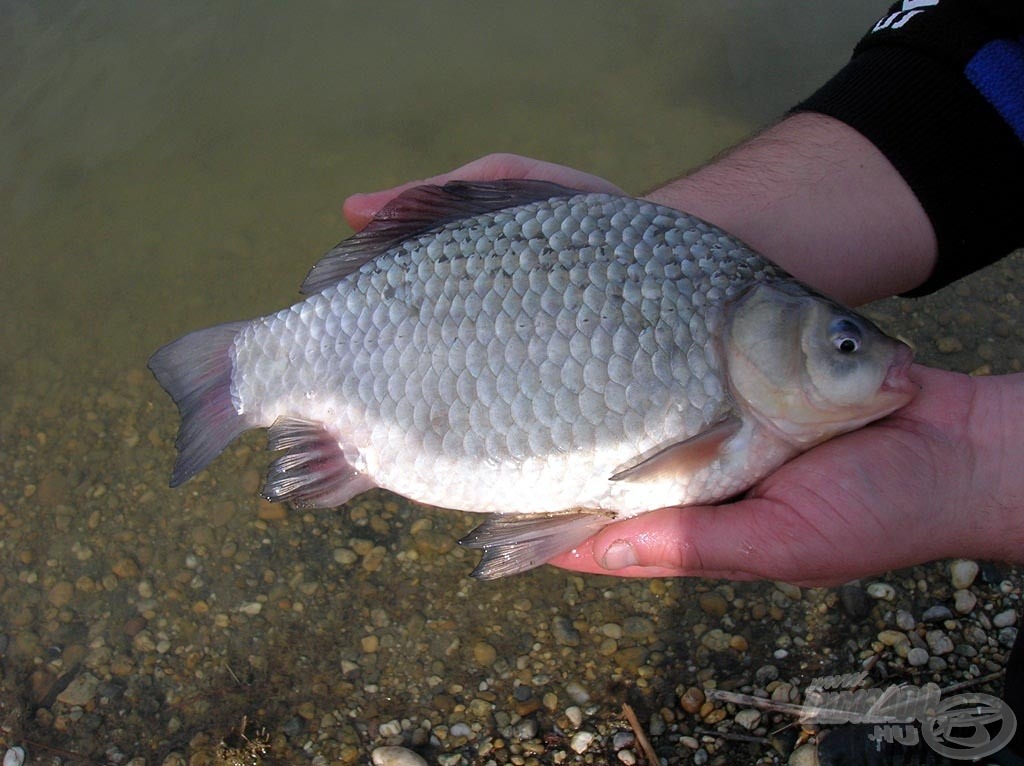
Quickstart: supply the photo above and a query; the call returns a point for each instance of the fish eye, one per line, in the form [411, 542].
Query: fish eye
[845, 336]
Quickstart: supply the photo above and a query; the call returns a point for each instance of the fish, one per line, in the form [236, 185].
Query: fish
[553, 358]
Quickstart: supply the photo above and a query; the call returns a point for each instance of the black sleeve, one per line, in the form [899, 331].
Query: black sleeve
[938, 87]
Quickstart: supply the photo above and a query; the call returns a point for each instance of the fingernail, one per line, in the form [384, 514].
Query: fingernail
[619, 555]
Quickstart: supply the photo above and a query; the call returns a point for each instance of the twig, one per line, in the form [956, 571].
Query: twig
[638, 732]
[747, 700]
[732, 736]
[972, 682]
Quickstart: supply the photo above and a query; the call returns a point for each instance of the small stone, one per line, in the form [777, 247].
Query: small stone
[396, 756]
[805, 755]
[854, 601]
[691, 700]
[765, 674]
[917, 657]
[611, 630]
[15, 756]
[713, 604]
[949, 344]
[577, 693]
[484, 653]
[892, 637]
[938, 642]
[61, 593]
[250, 608]
[80, 690]
[564, 632]
[690, 742]
[1005, 619]
[964, 601]
[391, 728]
[716, 640]
[937, 613]
[739, 643]
[962, 573]
[580, 741]
[525, 729]
[715, 716]
[636, 627]
[627, 757]
[369, 644]
[882, 591]
[792, 592]
[125, 568]
[905, 620]
[748, 718]
[575, 715]
[623, 739]
[272, 512]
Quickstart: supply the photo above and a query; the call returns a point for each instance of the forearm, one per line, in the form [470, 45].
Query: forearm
[998, 469]
[819, 199]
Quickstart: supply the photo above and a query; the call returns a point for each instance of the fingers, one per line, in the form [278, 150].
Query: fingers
[359, 209]
[751, 539]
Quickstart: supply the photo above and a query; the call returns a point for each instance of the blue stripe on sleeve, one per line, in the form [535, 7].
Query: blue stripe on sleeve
[997, 71]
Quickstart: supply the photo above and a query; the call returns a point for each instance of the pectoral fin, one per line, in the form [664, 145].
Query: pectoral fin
[514, 543]
[683, 458]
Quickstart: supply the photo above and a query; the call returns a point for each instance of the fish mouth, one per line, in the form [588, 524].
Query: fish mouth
[897, 382]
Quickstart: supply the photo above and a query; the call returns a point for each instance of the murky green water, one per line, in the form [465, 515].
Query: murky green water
[169, 166]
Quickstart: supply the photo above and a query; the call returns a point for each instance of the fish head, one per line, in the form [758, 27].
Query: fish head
[809, 368]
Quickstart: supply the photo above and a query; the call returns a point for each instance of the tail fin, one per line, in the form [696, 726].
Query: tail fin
[196, 371]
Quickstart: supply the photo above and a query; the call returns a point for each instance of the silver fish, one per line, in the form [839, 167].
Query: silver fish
[554, 358]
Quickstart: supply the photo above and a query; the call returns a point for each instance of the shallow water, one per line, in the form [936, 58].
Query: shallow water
[166, 167]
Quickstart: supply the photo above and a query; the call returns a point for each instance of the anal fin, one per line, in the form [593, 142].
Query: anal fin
[313, 472]
[514, 543]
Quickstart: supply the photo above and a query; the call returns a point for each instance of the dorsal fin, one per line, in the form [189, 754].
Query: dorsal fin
[418, 210]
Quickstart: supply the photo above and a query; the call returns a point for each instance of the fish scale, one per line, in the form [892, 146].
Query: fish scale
[513, 348]
[620, 292]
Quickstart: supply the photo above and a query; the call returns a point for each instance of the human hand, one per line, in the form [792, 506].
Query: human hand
[360, 208]
[930, 481]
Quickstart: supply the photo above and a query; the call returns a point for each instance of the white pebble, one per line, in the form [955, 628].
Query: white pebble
[626, 756]
[14, 756]
[962, 573]
[881, 590]
[748, 718]
[964, 601]
[390, 728]
[575, 716]
[581, 740]
[805, 755]
[1005, 619]
[396, 756]
[251, 608]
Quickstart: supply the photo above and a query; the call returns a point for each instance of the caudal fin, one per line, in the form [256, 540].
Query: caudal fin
[196, 371]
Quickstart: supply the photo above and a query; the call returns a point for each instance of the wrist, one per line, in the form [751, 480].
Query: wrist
[997, 499]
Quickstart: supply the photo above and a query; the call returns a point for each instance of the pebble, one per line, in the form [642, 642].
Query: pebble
[805, 755]
[917, 657]
[716, 639]
[938, 642]
[15, 756]
[713, 604]
[80, 690]
[882, 591]
[854, 601]
[637, 627]
[905, 620]
[525, 729]
[564, 632]
[937, 613]
[691, 700]
[575, 715]
[580, 741]
[962, 573]
[577, 693]
[748, 718]
[964, 601]
[61, 594]
[1005, 619]
[396, 756]
[484, 653]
